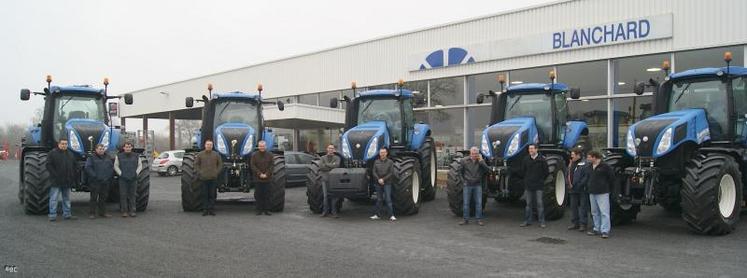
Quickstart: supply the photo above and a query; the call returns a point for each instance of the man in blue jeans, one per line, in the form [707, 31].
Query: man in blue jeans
[600, 184]
[61, 166]
[535, 170]
[383, 174]
[473, 170]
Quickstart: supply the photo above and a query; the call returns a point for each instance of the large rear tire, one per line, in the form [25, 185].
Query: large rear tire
[406, 188]
[36, 183]
[712, 194]
[554, 193]
[428, 169]
[277, 188]
[191, 191]
[620, 213]
[21, 196]
[314, 191]
[455, 190]
[143, 186]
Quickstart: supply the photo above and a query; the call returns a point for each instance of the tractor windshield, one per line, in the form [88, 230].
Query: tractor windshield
[386, 109]
[68, 107]
[232, 111]
[538, 106]
[709, 94]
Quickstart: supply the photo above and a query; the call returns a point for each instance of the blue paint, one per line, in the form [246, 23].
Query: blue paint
[219, 131]
[697, 130]
[573, 132]
[380, 130]
[418, 136]
[596, 35]
[387, 92]
[35, 132]
[708, 72]
[534, 87]
[455, 56]
[524, 124]
[269, 138]
[76, 90]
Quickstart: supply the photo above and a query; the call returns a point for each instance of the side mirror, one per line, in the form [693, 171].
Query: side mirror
[25, 94]
[639, 88]
[128, 99]
[333, 102]
[575, 93]
[189, 102]
[480, 98]
[281, 105]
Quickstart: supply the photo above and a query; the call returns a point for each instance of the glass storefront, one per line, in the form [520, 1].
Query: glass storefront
[589, 77]
[447, 91]
[628, 111]
[594, 113]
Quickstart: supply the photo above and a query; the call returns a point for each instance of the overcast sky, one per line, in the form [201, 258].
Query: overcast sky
[139, 44]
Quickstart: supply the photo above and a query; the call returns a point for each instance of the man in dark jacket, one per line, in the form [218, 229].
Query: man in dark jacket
[127, 165]
[326, 164]
[208, 164]
[577, 180]
[262, 165]
[535, 170]
[383, 174]
[61, 167]
[600, 184]
[473, 169]
[99, 170]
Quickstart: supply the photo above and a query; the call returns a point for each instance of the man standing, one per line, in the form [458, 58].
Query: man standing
[262, 165]
[600, 183]
[577, 180]
[383, 174]
[327, 163]
[535, 171]
[61, 168]
[100, 170]
[208, 164]
[127, 165]
[473, 170]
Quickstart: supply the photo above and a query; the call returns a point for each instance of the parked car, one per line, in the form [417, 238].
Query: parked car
[297, 167]
[168, 163]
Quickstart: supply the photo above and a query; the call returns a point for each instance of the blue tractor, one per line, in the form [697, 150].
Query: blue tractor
[79, 114]
[690, 156]
[531, 113]
[375, 119]
[235, 123]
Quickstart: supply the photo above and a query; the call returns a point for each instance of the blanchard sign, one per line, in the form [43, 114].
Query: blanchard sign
[623, 31]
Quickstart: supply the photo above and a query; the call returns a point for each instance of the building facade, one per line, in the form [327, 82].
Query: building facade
[602, 47]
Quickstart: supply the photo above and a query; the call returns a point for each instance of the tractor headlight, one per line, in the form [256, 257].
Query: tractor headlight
[630, 143]
[666, 141]
[248, 145]
[485, 146]
[372, 148]
[220, 144]
[346, 148]
[513, 145]
[105, 139]
[74, 142]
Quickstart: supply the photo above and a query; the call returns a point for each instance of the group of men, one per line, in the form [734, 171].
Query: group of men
[588, 179]
[99, 170]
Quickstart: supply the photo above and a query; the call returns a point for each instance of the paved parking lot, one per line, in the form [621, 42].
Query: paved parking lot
[164, 241]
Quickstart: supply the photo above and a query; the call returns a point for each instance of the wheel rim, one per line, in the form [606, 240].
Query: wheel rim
[727, 195]
[560, 188]
[415, 187]
[172, 171]
[433, 169]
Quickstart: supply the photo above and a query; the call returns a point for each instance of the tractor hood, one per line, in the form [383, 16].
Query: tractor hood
[364, 141]
[663, 133]
[234, 139]
[508, 138]
[84, 134]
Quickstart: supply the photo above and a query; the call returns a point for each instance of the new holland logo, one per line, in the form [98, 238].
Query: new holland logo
[441, 58]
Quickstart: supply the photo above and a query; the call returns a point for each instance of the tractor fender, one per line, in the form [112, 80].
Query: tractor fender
[418, 136]
[574, 130]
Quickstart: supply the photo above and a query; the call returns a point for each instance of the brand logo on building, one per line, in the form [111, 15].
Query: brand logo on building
[441, 58]
[604, 34]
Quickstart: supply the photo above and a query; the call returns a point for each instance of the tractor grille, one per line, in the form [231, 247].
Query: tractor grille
[86, 130]
[650, 129]
[359, 141]
[502, 134]
[234, 133]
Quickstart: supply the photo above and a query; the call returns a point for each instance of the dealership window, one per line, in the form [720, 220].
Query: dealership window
[312, 99]
[712, 57]
[446, 129]
[325, 98]
[628, 111]
[283, 139]
[447, 91]
[478, 119]
[590, 78]
[629, 71]
[594, 113]
[533, 75]
[420, 89]
[310, 140]
[483, 83]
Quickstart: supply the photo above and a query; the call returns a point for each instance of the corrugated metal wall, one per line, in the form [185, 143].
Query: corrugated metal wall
[697, 24]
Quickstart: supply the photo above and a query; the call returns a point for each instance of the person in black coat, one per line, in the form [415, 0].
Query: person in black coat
[534, 170]
[600, 185]
[576, 181]
[99, 170]
[61, 168]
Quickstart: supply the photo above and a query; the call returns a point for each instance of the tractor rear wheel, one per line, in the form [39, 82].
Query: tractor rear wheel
[36, 183]
[191, 191]
[455, 191]
[314, 190]
[712, 194]
[406, 187]
[554, 193]
[143, 186]
[277, 188]
[428, 169]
